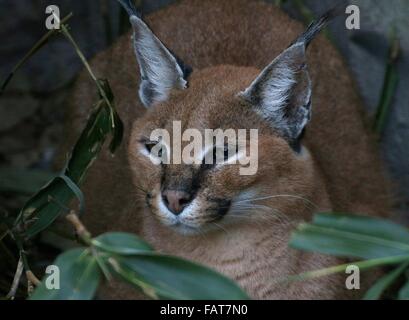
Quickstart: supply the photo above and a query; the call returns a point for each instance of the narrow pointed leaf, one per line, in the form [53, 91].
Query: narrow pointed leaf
[404, 292]
[377, 227]
[350, 236]
[85, 152]
[79, 278]
[375, 292]
[161, 276]
[121, 243]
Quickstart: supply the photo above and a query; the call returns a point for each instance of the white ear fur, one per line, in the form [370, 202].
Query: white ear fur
[282, 92]
[160, 71]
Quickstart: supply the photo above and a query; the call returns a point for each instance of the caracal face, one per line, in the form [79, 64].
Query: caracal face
[213, 195]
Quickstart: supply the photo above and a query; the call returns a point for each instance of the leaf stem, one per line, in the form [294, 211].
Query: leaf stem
[101, 90]
[16, 281]
[390, 83]
[366, 264]
[79, 227]
[37, 46]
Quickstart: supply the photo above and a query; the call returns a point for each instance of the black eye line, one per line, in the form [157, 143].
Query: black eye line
[149, 144]
[226, 155]
[226, 150]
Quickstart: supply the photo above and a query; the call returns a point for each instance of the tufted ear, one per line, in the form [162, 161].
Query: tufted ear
[282, 92]
[160, 70]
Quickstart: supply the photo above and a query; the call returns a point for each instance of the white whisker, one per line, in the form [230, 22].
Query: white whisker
[220, 227]
[279, 196]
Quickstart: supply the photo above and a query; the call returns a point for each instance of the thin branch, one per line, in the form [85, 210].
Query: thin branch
[101, 90]
[37, 46]
[366, 264]
[3, 235]
[80, 229]
[32, 278]
[390, 83]
[16, 281]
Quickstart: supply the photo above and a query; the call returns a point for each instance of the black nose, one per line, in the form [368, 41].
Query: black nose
[176, 201]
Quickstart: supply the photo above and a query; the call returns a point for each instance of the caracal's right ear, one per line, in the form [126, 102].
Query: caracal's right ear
[160, 70]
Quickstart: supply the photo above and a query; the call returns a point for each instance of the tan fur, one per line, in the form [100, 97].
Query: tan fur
[227, 43]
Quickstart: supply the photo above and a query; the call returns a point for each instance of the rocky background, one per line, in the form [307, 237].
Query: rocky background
[31, 113]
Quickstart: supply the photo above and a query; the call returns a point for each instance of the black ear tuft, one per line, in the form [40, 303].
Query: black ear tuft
[281, 94]
[186, 69]
[296, 144]
[130, 7]
[316, 26]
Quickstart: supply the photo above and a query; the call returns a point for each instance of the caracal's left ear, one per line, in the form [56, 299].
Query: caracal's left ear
[282, 92]
[160, 70]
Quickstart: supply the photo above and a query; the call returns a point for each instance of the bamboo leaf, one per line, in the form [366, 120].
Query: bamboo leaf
[371, 226]
[85, 152]
[390, 84]
[375, 292]
[121, 243]
[161, 276]
[79, 278]
[38, 213]
[404, 292]
[351, 236]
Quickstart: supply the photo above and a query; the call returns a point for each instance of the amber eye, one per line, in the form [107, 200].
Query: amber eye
[149, 146]
[225, 153]
[228, 148]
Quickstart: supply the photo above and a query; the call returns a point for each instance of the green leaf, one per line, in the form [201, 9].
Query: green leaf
[404, 292]
[42, 210]
[90, 142]
[352, 236]
[390, 84]
[38, 213]
[121, 243]
[372, 226]
[161, 276]
[39, 210]
[75, 190]
[117, 133]
[375, 292]
[79, 277]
